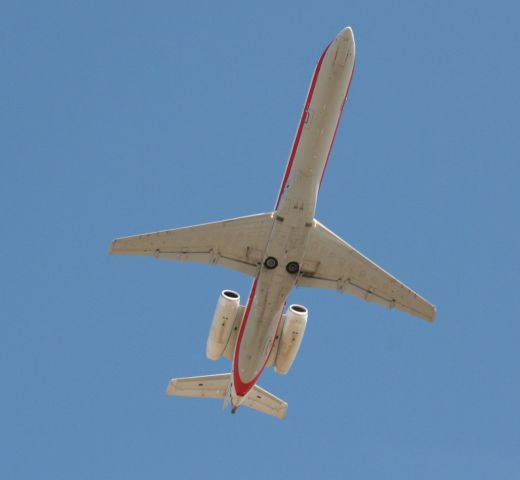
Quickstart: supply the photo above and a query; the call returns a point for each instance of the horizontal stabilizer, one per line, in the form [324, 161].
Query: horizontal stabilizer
[207, 386]
[217, 386]
[265, 402]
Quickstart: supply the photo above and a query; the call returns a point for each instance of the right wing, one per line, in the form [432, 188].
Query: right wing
[238, 243]
[330, 262]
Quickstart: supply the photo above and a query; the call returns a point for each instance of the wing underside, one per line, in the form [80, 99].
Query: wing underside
[332, 263]
[238, 243]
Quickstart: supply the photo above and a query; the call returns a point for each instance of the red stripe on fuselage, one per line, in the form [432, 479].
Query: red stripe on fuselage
[300, 126]
[242, 388]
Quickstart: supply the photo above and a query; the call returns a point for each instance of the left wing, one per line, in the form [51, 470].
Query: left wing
[238, 243]
[330, 262]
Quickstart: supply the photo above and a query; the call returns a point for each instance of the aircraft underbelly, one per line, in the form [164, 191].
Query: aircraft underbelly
[286, 243]
[261, 327]
[295, 213]
[317, 129]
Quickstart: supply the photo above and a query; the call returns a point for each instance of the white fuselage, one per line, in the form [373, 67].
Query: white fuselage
[294, 212]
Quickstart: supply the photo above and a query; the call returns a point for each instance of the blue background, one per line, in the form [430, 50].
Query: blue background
[122, 117]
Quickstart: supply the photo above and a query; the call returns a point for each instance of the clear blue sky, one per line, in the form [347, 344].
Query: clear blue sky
[121, 117]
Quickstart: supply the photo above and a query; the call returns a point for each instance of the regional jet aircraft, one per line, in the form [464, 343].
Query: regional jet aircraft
[281, 249]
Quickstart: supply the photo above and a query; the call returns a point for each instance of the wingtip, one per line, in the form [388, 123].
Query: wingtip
[112, 247]
[170, 389]
[430, 315]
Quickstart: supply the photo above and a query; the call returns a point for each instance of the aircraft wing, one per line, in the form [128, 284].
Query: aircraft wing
[238, 243]
[332, 263]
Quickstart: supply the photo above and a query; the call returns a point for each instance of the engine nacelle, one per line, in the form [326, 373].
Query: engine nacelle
[223, 320]
[291, 339]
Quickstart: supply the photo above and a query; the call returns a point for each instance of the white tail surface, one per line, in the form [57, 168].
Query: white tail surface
[217, 386]
[265, 402]
[207, 386]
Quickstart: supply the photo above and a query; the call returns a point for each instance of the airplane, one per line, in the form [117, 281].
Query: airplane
[281, 249]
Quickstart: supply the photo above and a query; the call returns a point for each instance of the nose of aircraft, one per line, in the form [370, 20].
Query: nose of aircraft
[347, 33]
[344, 48]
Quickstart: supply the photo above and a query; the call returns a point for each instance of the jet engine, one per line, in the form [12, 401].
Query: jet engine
[291, 338]
[222, 324]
